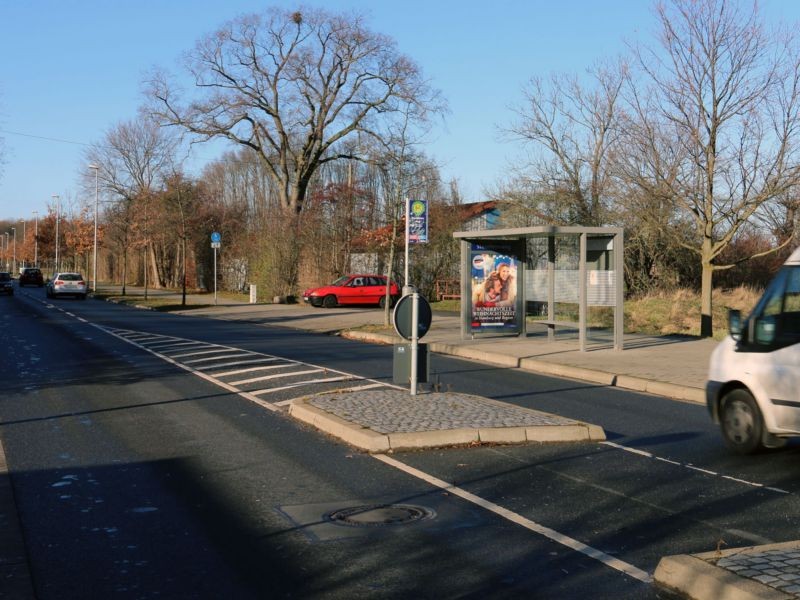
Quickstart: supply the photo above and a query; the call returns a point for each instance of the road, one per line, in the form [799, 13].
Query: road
[138, 472]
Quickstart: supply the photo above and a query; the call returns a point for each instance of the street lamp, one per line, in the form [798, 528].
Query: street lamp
[14, 260]
[24, 239]
[57, 198]
[94, 273]
[6, 234]
[36, 241]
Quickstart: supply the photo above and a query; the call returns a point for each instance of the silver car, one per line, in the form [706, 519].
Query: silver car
[67, 284]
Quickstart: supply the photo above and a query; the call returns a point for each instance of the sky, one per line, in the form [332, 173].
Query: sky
[73, 69]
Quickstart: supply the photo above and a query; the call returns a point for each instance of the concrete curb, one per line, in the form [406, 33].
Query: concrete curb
[364, 438]
[627, 382]
[697, 577]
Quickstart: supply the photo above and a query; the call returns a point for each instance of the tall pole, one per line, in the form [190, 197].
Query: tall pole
[407, 286]
[57, 198]
[14, 260]
[36, 241]
[215, 276]
[94, 271]
[7, 263]
[24, 239]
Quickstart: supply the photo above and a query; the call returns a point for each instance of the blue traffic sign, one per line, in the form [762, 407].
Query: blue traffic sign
[216, 237]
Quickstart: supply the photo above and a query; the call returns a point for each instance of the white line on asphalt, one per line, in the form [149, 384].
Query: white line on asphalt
[234, 363]
[298, 384]
[254, 369]
[518, 519]
[241, 354]
[222, 384]
[214, 350]
[692, 467]
[276, 376]
[167, 346]
[337, 391]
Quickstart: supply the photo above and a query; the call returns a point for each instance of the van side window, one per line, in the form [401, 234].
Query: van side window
[790, 320]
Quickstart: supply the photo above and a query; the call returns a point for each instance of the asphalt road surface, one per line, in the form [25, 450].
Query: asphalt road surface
[141, 471]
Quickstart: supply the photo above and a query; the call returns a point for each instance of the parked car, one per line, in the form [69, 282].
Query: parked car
[353, 289]
[6, 284]
[66, 284]
[31, 276]
[753, 388]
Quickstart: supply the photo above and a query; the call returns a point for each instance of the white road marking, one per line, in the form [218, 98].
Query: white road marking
[692, 467]
[126, 336]
[208, 358]
[163, 346]
[518, 519]
[298, 384]
[276, 376]
[254, 369]
[214, 350]
[222, 384]
[233, 364]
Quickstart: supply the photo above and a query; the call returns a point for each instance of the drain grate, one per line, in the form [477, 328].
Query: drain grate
[379, 515]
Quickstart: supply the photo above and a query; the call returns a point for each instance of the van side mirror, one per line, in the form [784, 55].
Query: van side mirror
[735, 323]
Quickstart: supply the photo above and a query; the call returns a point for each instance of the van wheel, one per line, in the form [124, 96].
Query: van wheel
[741, 421]
[330, 301]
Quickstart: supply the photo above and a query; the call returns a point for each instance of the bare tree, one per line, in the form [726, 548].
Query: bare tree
[290, 86]
[133, 159]
[576, 126]
[715, 131]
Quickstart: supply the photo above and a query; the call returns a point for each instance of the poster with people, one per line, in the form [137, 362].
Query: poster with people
[494, 289]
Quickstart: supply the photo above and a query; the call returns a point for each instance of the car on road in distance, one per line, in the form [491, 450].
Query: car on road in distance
[353, 289]
[753, 387]
[31, 276]
[6, 284]
[66, 284]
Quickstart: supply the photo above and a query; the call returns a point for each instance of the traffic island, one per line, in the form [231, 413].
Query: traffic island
[391, 419]
[770, 571]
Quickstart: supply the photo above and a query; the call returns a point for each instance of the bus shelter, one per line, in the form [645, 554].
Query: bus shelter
[515, 281]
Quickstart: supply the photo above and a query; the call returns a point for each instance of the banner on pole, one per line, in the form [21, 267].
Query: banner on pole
[418, 222]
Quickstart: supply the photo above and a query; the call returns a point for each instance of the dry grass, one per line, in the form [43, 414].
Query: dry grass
[678, 312]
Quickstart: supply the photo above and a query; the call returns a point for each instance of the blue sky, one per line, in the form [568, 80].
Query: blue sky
[72, 69]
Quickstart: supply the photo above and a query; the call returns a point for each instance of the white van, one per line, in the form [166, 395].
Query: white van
[753, 388]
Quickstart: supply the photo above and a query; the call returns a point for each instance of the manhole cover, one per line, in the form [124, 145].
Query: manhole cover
[379, 515]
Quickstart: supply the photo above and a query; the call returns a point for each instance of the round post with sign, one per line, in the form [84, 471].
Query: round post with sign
[412, 319]
[216, 241]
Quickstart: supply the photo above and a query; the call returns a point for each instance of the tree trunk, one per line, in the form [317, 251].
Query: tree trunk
[706, 329]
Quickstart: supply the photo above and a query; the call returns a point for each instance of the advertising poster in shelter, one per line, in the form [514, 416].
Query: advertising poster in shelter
[494, 288]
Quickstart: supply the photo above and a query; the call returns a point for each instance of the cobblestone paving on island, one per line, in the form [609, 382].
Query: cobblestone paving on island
[779, 569]
[396, 411]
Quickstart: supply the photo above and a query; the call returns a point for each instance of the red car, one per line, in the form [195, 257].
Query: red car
[353, 289]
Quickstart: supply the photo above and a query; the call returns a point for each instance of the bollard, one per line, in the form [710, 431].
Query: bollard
[253, 295]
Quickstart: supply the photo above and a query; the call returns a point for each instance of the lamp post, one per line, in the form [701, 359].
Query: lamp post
[24, 239]
[36, 241]
[14, 259]
[57, 198]
[7, 264]
[94, 271]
